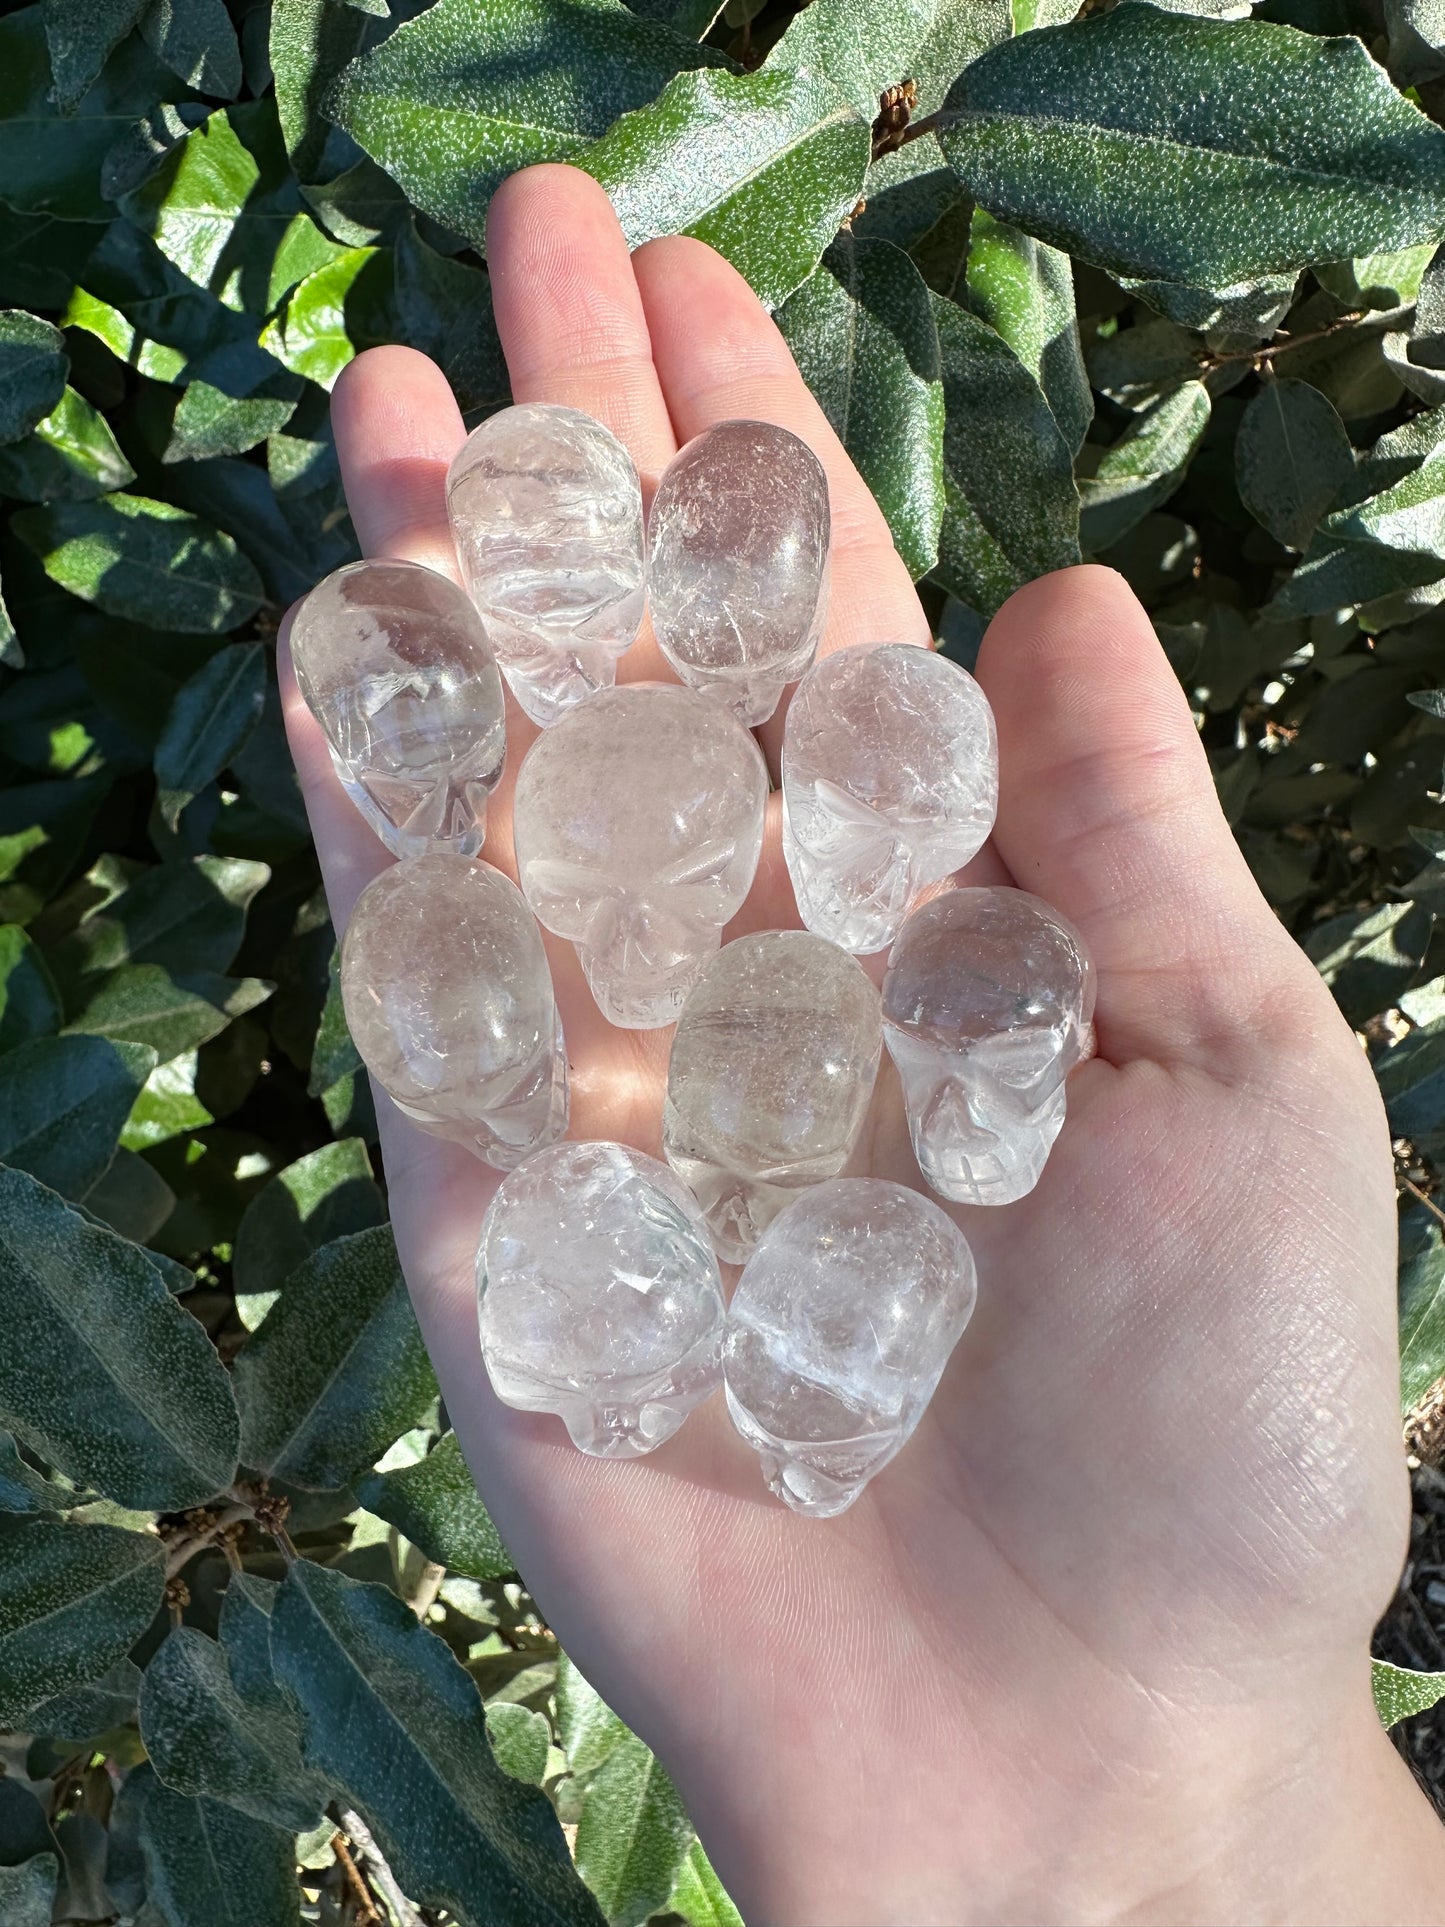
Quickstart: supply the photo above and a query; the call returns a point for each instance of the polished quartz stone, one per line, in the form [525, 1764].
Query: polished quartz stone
[600, 1297]
[395, 665]
[771, 1071]
[738, 578]
[638, 823]
[838, 1332]
[890, 782]
[988, 1002]
[449, 1000]
[546, 513]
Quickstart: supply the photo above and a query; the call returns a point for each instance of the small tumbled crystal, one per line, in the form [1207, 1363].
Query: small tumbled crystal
[546, 513]
[890, 782]
[599, 1296]
[988, 1002]
[839, 1331]
[449, 1001]
[738, 577]
[771, 1071]
[395, 665]
[638, 822]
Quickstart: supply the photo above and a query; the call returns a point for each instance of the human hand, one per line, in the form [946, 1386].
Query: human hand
[1095, 1645]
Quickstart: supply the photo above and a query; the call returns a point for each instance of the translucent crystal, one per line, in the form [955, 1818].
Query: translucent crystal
[988, 1003]
[638, 823]
[839, 1331]
[546, 514]
[600, 1297]
[395, 665]
[449, 1000]
[738, 579]
[890, 781]
[768, 1085]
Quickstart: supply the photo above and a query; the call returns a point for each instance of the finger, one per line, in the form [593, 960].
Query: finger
[1107, 809]
[397, 426]
[719, 355]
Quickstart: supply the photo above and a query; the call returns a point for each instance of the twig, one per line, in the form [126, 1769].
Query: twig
[427, 1588]
[1281, 346]
[1423, 1197]
[381, 1876]
[185, 1549]
[354, 1880]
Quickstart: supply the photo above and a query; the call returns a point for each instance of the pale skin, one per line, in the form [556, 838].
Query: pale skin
[1095, 1647]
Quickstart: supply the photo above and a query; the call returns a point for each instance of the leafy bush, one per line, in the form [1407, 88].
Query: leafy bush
[225, 1482]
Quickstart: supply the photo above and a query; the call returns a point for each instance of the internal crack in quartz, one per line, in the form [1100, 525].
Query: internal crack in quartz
[890, 782]
[768, 1084]
[738, 575]
[838, 1333]
[395, 665]
[449, 1001]
[639, 821]
[546, 512]
[599, 1297]
[988, 1002]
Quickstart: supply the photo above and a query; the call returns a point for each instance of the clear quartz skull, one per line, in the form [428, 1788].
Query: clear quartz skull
[449, 1000]
[768, 1085]
[838, 1332]
[738, 575]
[988, 1003]
[599, 1297]
[890, 782]
[546, 513]
[638, 822]
[395, 665]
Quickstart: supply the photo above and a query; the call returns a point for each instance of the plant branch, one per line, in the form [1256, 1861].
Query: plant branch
[380, 1875]
[1280, 347]
[184, 1549]
[358, 1886]
[427, 1588]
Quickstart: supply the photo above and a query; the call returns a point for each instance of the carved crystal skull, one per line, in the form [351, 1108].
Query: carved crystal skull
[395, 665]
[988, 1003]
[449, 999]
[638, 823]
[546, 513]
[890, 782]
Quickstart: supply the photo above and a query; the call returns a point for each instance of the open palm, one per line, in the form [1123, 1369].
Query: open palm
[1157, 1501]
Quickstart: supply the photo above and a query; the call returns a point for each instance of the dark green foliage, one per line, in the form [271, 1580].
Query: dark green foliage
[1152, 286]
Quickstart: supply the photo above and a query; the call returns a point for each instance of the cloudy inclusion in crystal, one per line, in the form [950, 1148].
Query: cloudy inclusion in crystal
[546, 513]
[839, 1331]
[638, 822]
[988, 1003]
[599, 1297]
[395, 665]
[449, 1000]
[738, 578]
[769, 1080]
[890, 782]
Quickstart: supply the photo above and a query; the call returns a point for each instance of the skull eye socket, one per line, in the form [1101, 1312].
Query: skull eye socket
[699, 887]
[566, 896]
[1029, 1061]
[830, 823]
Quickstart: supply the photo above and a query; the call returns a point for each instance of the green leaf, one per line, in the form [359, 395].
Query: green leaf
[24, 1490]
[169, 1106]
[209, 1866]
[63, 1103]
[145, 561]
[209, 720]
[1400, 1692]
[1417, 40]
[27, 1892]
[434, 1503]
[310, 42]
[88, 1710]
[72, 1599]
[1291, 459]
[204, 1739]
[697, 1894]
[1336, 575]
[1143, 468]
[633, 1835]
[33, 367]
[325, 1195]
[1025, 291]
[863, 48]
[185, 916]
[333, 314]
[235, 398]
[196, 41]
[148, 1004]
[521, 1741]
[763, 167]
[337, 1372]
[391, 1716]
[444, 308]
[587, 1727]
[1397, 496]
[71, 456]
[145, 310]
[1370, 958]
[1234, 317]
[29, 1001]
[862, 333]
[1381, 281]
[134, 1199]
[1422, 1303]
[437, 103]
[1153, 144]
[102, 1371]
[1411, 1076]
[81, 36]
[1011, 506]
